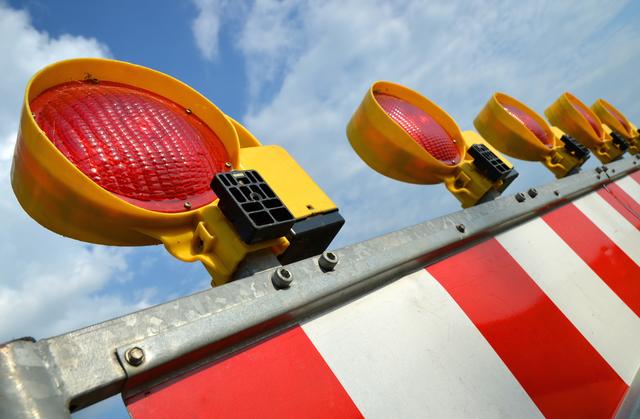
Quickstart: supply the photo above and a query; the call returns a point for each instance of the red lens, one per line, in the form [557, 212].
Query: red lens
[529, 122]
[140, 146]
[421, 127]
[587, 115]
[619, 117]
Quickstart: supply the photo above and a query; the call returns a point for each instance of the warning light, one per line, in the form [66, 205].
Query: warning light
[617, 125]
[574, 117]
[114, 153]
[518, 131]
[403, 135]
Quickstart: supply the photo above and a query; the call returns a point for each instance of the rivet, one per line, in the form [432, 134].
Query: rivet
[461, 228]
[556, 193]
[282, 278]
[228, 165]
[328, 261]
[188, 111]
[187, 205]
[134, 356]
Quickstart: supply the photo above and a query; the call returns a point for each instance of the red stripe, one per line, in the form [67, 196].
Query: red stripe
[562, 373]
[636, 176]
[602, 255]
[284, 377]
[622, 202]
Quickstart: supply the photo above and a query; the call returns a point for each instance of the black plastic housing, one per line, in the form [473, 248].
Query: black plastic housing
[575, 148]
[311, 236]
[256, 212]
[488, 163]
[619, 141]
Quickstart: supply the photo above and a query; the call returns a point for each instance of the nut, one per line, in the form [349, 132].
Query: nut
[461, 228]
[328, 261]
[134, 356]
[520, 197]
[281, 278]
[532, 192]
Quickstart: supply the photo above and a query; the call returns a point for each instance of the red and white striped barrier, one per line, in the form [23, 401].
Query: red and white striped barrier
[541, 320]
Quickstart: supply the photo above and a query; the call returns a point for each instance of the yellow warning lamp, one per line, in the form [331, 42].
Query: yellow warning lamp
[576, 119]
[114, 153]
[617, 125]
[517, 131]
[403, 135]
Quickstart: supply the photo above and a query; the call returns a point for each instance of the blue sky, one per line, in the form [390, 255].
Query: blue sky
[293, 72]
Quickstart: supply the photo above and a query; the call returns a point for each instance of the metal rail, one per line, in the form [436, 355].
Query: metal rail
[51, 377]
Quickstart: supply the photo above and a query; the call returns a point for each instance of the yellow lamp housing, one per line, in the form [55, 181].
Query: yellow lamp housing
[61, 194]
[576, 119]
[403, 135]
[617, 125]
[518, 131]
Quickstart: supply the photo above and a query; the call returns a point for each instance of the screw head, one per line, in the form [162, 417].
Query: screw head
[188, 111]
[599, 169]
[281, 278]
[328, 261]
[556, 192]
[187, 204]
[532, 192]
[520, 197]
[134, 356]
[228, 165]
[461, 228]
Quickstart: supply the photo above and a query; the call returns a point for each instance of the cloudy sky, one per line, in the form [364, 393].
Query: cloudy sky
[293, 72]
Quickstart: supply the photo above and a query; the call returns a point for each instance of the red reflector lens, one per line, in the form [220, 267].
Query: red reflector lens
[529, 122]
[587, 115]
[619, 117]
[140, 146]
[421, 127]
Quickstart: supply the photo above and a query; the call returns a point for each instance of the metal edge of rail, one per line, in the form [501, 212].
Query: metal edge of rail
[129, 354]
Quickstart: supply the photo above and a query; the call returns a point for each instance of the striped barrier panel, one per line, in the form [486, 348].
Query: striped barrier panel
[540, 320]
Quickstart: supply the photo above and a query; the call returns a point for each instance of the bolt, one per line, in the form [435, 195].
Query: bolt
[187, 204]
[599, 169]
[598, 176]
[532, 192]
[188, 111]
[328, 261]
[134, 356]
[520, 197]
[605, 168]
[281, 278]
[461, 228]
[556, 192]
[228, 165]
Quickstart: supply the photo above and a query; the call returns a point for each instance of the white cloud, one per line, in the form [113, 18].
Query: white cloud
[457, 53]
[206, 27]
[48, 284]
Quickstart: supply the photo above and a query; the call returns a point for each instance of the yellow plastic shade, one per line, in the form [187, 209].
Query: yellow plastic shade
[62, 198]
[389, 149]
[509, 134]
[564, 113]
[618, 122]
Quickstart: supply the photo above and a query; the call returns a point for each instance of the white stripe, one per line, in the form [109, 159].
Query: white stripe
[631, 187]
[408, 350]
[596, 311]
[614, 225]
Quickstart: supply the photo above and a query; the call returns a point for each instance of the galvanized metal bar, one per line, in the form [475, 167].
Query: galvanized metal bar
[91, 364]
